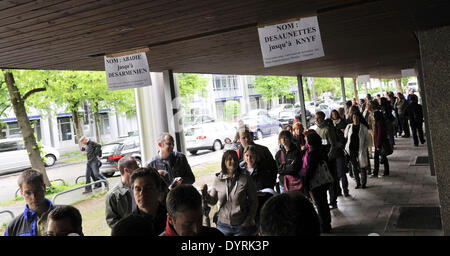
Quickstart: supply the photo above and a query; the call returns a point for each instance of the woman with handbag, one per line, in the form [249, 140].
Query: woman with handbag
[318, 179]
[382, 145]
[236, 193]
[288, 160]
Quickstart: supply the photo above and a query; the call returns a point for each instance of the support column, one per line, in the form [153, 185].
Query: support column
[355, 88]
[151, 115]
[398, 85]
[435, 55]
[343, 89]
[301, 95]
[173, 109]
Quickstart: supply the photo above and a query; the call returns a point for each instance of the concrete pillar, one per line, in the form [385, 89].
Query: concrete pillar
[398, 85]
[151, 115]
[355, 88]
[301, 95]
[173, 110]
[343, 89]
[310, 81]
[245, 100]
[435, 55]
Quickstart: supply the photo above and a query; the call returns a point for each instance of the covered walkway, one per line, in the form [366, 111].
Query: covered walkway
[383, 207]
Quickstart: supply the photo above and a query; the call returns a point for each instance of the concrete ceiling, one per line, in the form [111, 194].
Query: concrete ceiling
[219, 37]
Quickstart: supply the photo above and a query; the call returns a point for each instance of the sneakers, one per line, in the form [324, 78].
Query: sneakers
[358, 186]
[86, 191]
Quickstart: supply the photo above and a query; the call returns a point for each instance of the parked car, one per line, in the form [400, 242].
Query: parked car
[263, 125]
[255, 113]
[209, 136]
[113, 152]
[14, 156]
[274, 112]
[189, 120]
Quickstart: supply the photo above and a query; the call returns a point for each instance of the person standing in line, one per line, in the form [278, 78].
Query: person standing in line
[93, 152]
[380, 141]
[358, 139]
[120, 199]
[33, 220]
[150, 215]
[316, 155]
[299, 137]
[400, 105]
[334, 149]
[171, 165]
[415, 114]
[65, 220]
[339, 126]
[236, 193]
[288, 158]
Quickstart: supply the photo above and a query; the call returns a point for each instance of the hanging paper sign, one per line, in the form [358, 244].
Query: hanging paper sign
[289, 42]
[127, 71]
[408, 72]
[364, 78]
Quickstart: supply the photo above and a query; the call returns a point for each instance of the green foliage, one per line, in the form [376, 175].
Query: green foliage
[271, 87]
[231, 109]
[190, 85]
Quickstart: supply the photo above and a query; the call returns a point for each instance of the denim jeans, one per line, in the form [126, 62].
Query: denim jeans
[92, 168]
[229, 230]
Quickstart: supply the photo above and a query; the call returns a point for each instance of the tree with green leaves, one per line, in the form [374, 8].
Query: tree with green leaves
[190, 85]
[21, 85]
[271, 87]
[97, 93]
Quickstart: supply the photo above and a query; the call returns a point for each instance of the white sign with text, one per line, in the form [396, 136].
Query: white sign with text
[290, 42]
[128, 71]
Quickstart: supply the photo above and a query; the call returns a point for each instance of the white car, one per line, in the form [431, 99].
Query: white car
[274, 112]
[210, 136]
[14, 156]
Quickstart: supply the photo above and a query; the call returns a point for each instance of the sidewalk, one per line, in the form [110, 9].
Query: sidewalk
[381, 207]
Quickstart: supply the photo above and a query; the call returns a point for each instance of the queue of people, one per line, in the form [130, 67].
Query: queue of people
[292, 193]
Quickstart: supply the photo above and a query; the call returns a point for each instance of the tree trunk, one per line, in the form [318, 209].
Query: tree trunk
[97, 124]
[77, 124]
[25, 127]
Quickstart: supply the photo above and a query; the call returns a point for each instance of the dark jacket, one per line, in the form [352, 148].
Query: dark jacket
[93, 150]
[264, 153]
[118, 204]
[153, 226]
[262, 177]
[314, 157]
[415, 113]
[299, 140]
[25, 223]
[204, 231]
[291, 165]
[176, 165]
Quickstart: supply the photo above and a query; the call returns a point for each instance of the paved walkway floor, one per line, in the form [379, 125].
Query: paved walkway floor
[375, 209]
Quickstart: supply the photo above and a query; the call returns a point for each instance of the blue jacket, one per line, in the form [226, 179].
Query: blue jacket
[25, 223]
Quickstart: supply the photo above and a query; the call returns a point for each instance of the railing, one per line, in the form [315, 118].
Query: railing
[63, 182]
[81, 187]
[10, 213]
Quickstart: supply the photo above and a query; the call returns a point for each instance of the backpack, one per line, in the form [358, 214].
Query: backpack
[291, 182]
